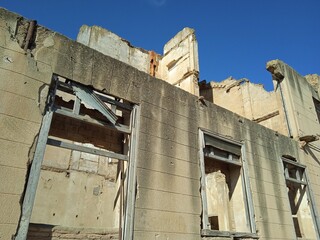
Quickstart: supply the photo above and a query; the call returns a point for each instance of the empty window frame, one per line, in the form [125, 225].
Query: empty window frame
[317, 108]
[227, 204]
[300, 199]
[85, 131]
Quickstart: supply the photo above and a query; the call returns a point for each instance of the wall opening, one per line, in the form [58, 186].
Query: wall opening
[85, 167]
[224, 191]
[301, 204]
[317, 108]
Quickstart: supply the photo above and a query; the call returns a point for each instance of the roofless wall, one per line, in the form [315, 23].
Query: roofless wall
[172, 152]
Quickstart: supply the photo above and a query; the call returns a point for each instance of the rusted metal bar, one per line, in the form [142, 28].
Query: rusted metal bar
[30, 34]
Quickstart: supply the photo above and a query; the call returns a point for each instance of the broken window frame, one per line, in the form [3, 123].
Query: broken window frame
[301, 178]
[316, 103]
[206, 230]
[127, 224]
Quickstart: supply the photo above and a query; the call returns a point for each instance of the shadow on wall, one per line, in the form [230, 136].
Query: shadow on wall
[49, 232]
[43, 230]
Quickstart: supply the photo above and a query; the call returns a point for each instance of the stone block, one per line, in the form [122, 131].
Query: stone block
[20, 107]
[170, 165]
[143, 235]
[184, 33]
[12, 180]
[8, 19]
[167, 182]
[18, 130]
[7, 231]
[276, 231]
[267, 175]
[56, 157]
[162, 221]
[155, 98]
[268, 188]
[76, 199]
[102, 72]
[88, 166]
[13, 154]
[275, 216]
[168, 148]
[122, 76]
[10, 209]
[21, 63]
[108, 168]
[20, 84]
[112, 45]
[171, 202]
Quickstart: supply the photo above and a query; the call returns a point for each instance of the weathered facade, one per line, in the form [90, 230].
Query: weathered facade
[103, 147]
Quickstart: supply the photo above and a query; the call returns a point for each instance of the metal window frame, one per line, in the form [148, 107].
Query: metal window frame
[306, 183]
[206, 231]
[43, 140]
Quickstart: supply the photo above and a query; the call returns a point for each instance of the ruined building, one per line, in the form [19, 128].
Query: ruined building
[102, 140]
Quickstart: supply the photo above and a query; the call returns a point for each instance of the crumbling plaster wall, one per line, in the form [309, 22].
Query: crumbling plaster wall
[23, 90]
[168, 203]
[179, 64]
[247, 99]
[302, 117]
[297, 94]
[112, 45]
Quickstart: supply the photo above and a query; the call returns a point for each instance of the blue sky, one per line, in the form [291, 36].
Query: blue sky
[236, 38]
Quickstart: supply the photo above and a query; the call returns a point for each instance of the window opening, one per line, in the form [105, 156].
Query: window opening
[317, 108]
[84, 166]
[224, 193]
[301, 204]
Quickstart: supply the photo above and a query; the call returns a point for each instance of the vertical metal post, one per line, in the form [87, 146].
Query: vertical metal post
[313, 208]
[131, 178]
[76, 105]
[285, 110]
[34, 173]
[247, 190]
[205, 219]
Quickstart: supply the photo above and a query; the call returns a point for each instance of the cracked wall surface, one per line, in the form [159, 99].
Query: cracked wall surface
[23, 90]
[168, 200]
[247, 99]
[179, 64]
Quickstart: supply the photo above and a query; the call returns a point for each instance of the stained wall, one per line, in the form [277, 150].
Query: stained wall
[168, 201]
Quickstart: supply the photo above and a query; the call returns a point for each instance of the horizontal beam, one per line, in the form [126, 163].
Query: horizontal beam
[296, 181]
[80, 148]
[266, 117]
[214, 157]
[118, 127]
[289, 161]
[66, 87]
[224, 234]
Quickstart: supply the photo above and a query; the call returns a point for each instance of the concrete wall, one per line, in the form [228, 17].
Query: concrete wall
[302, 117]
[168, 201]
[23, 90]
[247, 99]
[298, 94]
[112, 45]
[179, 64]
